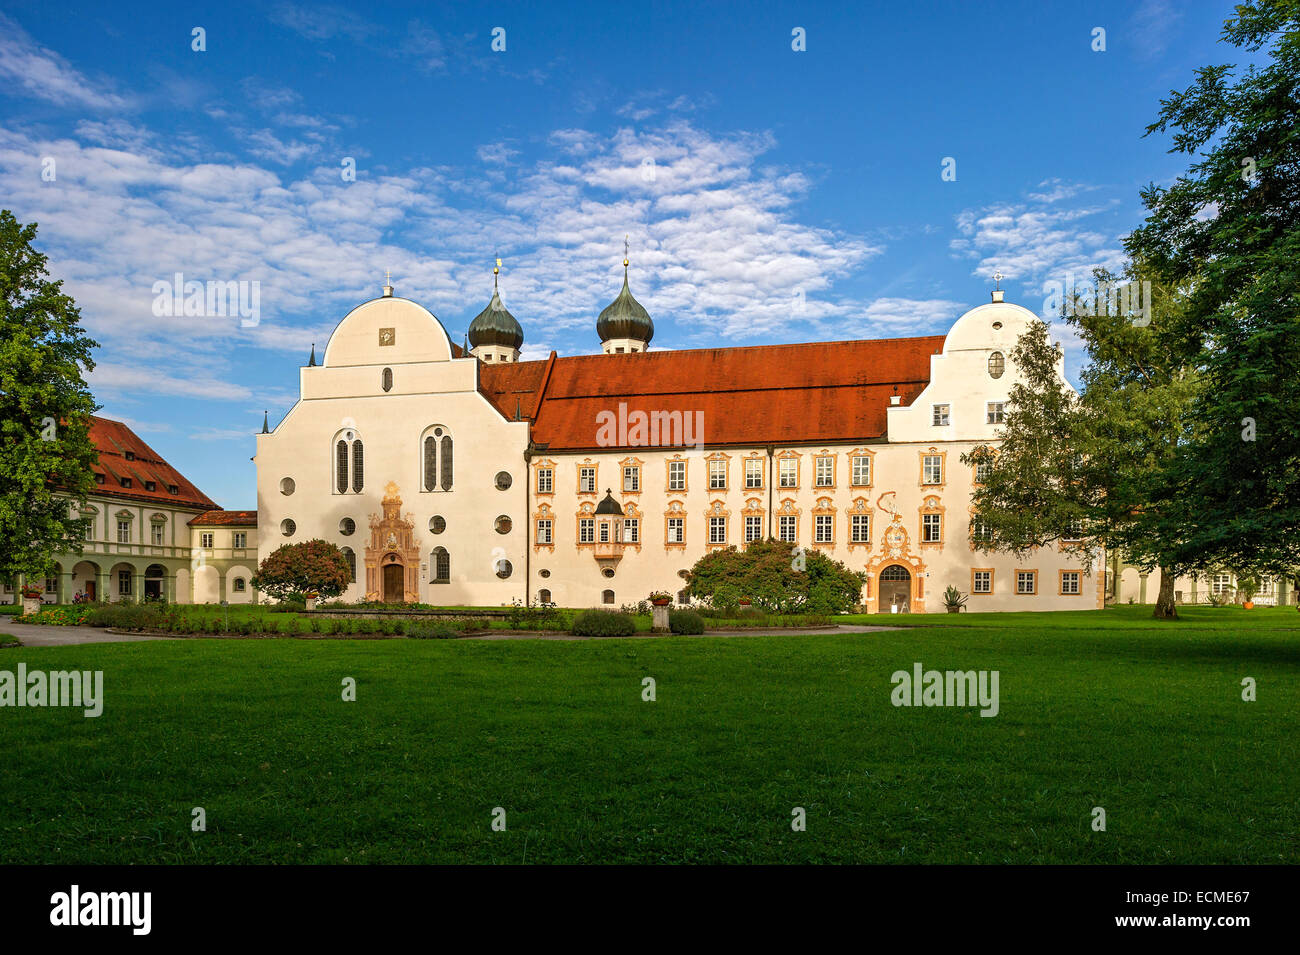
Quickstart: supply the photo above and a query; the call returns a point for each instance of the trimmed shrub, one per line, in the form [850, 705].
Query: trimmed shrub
[431, 631]
[685, 621]
[603, 623]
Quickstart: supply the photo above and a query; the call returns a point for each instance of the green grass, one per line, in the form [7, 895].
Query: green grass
[1102, 709]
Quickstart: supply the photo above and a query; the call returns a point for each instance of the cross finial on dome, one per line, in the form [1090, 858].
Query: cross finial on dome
[388, 283]
[997, 278]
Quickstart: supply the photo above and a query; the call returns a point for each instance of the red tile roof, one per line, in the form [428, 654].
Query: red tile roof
[817, 393]
[114, 441]
[225, 519]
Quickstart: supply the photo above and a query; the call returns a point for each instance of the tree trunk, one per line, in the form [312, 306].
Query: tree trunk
[1165, 602]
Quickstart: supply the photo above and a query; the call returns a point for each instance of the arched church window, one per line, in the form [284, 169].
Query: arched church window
[349, 462]
[544, 596]
[607, 596]
[341, 467]
[430, 463]
[441, 566]
[387, 379]
[358, 465]
[446, 462]
[351, 557]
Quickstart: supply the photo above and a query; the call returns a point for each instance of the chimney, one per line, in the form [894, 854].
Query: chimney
[895, 400]
[997, 295]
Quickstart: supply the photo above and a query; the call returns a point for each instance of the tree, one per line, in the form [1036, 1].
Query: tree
[292, 571]
[1229, 228]
[777, 577]
[1098, 470]
[46, 456]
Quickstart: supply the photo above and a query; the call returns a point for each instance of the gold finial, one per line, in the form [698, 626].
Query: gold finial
[625, 238]
[496, 271]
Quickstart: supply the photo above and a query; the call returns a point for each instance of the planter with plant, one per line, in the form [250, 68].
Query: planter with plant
[954, 600]
[1247, 588]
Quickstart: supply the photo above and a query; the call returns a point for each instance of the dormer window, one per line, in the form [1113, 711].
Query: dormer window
[130, 455]
[150, 486]
[99, 478]
[125, 482]
[173, 489]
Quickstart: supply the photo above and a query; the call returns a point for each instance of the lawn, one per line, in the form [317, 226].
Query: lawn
[1104, 709]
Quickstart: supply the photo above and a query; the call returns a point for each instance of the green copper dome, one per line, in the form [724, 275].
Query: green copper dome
[625, 317]
[495, 326]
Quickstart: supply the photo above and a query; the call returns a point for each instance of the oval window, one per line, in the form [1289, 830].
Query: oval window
[503, 524]
[504, 480]
[608, 572]
[504, 569]
[287, 486]
[287, 527]
[437, 524]
[387, 379]
[347, 527]
[543, 573]
[997, 365]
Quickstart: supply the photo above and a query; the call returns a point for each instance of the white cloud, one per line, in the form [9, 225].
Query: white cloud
[42, 73]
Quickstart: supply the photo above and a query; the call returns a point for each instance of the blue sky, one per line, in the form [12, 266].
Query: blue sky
[770, 195]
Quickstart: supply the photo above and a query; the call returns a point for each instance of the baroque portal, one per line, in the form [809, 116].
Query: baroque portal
[392, 556]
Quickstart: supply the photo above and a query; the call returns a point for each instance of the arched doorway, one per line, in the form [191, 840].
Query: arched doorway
[895, 589]
[394, 582]
[153, 581]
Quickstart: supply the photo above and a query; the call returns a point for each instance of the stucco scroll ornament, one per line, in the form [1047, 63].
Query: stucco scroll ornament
[891, 507]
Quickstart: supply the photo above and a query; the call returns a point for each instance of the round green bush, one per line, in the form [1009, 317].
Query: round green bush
[603, 623]
[685, 621]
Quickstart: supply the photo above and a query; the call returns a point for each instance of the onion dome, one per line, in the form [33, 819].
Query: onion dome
[609, 505]
[625, 317]
[495, 326]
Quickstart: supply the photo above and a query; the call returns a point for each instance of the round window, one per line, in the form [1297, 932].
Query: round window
[504, 569]
[504, 480]
[543, 573]
[287, 527]
[287, 486]
[437, 525]
[503, 524]
[608, 571]
[347, 527]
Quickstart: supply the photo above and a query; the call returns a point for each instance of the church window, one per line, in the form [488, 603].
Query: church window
[543, 597]
[504, 568]
[997, 364]
[347, 527]
[437, 524]
[287, 486]
[387, 379]
[349, 463]
[504, 480]
[503, 524]
[436, 460]
[358, 466]
[607, 596]
[287, 527]
[441, 566]
[430, 463]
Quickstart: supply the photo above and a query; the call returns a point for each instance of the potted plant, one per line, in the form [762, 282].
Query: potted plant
[660, 598]
[31, 599]
[745, 603]
[954, 599]
[310, 597]
[1248, 587]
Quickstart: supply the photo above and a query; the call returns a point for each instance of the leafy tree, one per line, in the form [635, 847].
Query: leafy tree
[46, 456]
[292, 571]
[1099, 469]
[1229, 228]
[777, 576]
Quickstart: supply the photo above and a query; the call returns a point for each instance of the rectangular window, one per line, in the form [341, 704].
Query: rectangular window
[157, 532]
[825, 472]
[544, 479]
[632, 530]
[941, 416]
[124, 583]
[823, 528]
[753, 472]
[1074, 531]
[240, 539]
[979, 531]
[205, 540]
[995, 412]
[604, 532]
[932, 469]
[51, 585]
[753, 528]
[1026, 581]
[860, 528]
[676, 530]
[787, 528]
[789, 472]
[124, 532]
[1071, 582]
[931, 528]
[982, 472]
[586, 480]
[861, 470]
[981, 582]
[717, 475]
[717, 530]
[544, 531]
[631, 478]
[1221, 583]
[586, 530]
[676, 475]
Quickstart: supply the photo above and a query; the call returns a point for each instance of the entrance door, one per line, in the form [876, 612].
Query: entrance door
[895, 589]
[394, 584]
